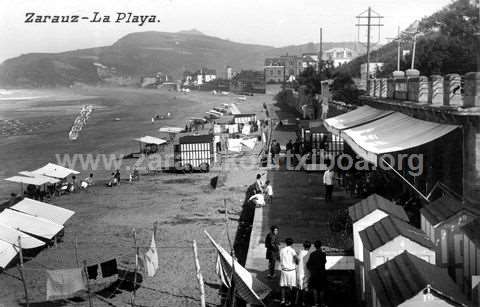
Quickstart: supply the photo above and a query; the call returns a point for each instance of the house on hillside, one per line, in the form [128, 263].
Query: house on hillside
[442, 220]
[200, 77]
[309, 60]
[409, 281]
[365, 214]
[339, 56]
[388, 238]
[248, 81]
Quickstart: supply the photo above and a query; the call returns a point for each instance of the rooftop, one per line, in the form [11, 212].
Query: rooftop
[444, 208]
[406, 275]
[390, 228]
[194, 139]
[375, 202]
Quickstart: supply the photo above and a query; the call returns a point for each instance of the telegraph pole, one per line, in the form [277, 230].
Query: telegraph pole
[369, 26]
[320, 55]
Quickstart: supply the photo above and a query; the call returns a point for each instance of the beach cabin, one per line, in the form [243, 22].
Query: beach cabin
[471, 260]
[409, 281]
[149, 144]
[364, 214]
[244, 118]
[195, 152]
[388, 238]
[441, 220]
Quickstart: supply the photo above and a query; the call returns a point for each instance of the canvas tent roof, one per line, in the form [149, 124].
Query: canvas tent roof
[38, 181]
[31, 174]
[171, 129]
[372, 203]
[359, 116]
[49, 212]
[250, 289]
[7, 253]
[10, 235]
[151, 140]
[393, 133]
[406, 275]
[387, 229]
[56, 171]
[32, 225]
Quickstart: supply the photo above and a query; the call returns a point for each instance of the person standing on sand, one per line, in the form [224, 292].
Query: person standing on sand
[268, 193]
[288, 264]
[316, 266]
[303, 274]
[272, 243]
[328, 178]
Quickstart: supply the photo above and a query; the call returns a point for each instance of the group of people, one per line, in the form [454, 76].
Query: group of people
[264, 189]
[114, 179]
[301, 272]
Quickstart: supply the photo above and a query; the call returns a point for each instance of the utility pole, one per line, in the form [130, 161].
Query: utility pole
[399, 46]
[320, 55]
[369, 26]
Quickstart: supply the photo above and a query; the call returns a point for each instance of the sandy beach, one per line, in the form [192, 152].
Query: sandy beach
[184, 205]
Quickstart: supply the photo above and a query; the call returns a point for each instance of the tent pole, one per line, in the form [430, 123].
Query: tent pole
[136, 265]
[90, 303]
[76, 251]
[199, 274]
[20, 269]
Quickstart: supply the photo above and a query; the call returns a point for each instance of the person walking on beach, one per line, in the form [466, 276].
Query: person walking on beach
[316, 266]
[328, 178]
[272, 150]
[272, 243]
[288, 276]
[268, 193]
[117, 175]
[303, 274]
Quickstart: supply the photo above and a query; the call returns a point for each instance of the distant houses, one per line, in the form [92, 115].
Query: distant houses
[248, 81]
[202, 76]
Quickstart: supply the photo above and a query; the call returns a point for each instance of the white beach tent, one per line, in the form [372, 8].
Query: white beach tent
[171, 129]
[49, 212]
[29, 224]
[9, 244]
[55, 171]
[7, 253]
[151, 140]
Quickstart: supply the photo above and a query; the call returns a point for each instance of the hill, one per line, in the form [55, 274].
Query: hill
[139, 54]
[447, 46]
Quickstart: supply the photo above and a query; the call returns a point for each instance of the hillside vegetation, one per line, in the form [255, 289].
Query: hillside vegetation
[447, 46]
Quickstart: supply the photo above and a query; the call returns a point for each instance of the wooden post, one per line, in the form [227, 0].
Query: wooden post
[90, 303]
[136, 265]
[155, 227]
[76, 252]
[20, 269]
[199, 274]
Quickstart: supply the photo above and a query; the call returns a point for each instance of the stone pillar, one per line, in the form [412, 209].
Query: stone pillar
[400, 92]
[371, 87]
[423, 89]
[412, 89]
[472, 90]
[412, 84]
[390, 88]
[435, 90]
[452, 90]
[383, 88]
[377, 88]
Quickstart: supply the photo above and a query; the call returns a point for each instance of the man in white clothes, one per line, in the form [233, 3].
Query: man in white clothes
[288, 265]
[328, 178]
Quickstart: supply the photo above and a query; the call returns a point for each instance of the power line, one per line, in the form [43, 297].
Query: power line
[377, 18]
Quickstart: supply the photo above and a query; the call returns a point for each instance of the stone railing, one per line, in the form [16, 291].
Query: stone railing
[450, 90]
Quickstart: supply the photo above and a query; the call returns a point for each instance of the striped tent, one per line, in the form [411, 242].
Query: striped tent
[247, 287]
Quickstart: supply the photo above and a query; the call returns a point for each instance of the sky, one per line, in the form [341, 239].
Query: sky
[266, 22]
